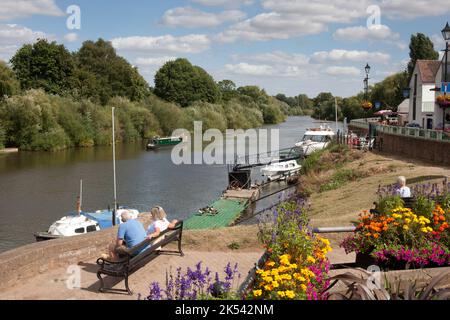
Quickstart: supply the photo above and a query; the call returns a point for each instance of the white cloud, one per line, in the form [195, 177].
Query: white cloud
[224, 3]
[13, 9]
[276, 57]
[337, 55]
[12, 36]
[188, 17]
[372, 33]
[406, 9]
[193, 43]
[293, 18]
[342, 71]
[154, 61]
[71, 37]
[250, 69]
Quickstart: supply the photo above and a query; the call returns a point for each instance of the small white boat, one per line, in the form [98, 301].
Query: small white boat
[280, 170]
[76, 223]
[315, 139]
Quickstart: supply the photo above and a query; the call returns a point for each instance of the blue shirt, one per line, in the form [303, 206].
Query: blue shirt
[132, 232]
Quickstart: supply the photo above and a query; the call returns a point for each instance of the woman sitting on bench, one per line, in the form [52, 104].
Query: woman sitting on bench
[159, 223]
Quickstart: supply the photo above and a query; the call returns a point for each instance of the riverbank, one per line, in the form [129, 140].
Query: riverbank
[239, 244]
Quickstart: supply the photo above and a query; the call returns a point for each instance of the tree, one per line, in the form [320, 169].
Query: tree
[102, 74]
[180, 82]
[227, 89]
[8, 81]
[389, 92]
[45, 65]
[420, 48]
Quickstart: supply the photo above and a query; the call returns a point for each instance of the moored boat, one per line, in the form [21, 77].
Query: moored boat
[280, 170]
[315, 139]
[158, 142]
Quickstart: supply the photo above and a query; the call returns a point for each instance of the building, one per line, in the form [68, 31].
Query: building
[403, 112]
[438, 111]
[422, 101]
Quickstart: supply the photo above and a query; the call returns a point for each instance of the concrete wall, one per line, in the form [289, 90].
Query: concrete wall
[33, 259]
[427, 150]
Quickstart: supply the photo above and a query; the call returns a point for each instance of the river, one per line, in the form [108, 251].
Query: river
[37, 188]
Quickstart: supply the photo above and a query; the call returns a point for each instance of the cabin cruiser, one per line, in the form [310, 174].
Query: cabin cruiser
[77, 223]
[315, 139]
[280, 170]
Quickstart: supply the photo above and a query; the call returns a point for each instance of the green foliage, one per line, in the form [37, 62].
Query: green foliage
[423, 206]
[390, 91]
[312, 162]
[180, 82]
[101, 74]
[389, 203]
[45, 65]
[339, 178]
[2, 137]
[420, 48]
[8, 81]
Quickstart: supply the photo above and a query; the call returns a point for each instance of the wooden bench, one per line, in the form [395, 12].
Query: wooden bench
[131, 261]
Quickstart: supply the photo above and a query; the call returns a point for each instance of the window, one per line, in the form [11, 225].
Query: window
[414, 108]
[79, 230]
[91, 229]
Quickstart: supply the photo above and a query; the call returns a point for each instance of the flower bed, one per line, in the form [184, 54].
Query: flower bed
[443, 101]
[296, 265]
[402, 238]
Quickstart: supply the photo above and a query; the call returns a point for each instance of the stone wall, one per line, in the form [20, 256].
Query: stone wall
[410, 147]
[36, 258]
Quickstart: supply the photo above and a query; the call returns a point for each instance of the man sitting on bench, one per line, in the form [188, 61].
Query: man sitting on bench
[131, 232]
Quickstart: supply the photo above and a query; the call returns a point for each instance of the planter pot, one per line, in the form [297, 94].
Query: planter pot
[364, 260]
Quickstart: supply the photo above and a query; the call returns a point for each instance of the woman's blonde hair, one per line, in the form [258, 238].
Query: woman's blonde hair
[158, 213]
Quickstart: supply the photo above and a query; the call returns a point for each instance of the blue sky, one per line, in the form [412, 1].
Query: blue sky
[287, 46]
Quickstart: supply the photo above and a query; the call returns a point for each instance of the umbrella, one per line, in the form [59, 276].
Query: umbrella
[385, 113]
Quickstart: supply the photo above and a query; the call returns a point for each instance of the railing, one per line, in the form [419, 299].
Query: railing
[425, 134]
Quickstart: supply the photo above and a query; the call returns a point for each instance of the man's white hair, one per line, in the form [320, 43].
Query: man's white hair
[401, 180]
[125, 215]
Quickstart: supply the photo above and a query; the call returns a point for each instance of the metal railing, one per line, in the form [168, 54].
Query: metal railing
[425, 134]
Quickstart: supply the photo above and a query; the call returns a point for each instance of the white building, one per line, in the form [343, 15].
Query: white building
[438, 111]
[422, 101]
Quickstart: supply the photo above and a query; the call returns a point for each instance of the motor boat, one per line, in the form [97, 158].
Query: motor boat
[77, 223]
[280, 170]
[315, 139]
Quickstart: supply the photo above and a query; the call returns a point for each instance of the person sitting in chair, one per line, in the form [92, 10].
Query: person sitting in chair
[131, 232]
[403, 191]
[159, 223]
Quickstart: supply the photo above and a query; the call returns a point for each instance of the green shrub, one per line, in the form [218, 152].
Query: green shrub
[340, 178]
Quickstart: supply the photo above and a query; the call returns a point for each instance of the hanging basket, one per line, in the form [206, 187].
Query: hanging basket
[443, 101]
[367, 105]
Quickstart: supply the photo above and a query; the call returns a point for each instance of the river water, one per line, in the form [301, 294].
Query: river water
[37, 188]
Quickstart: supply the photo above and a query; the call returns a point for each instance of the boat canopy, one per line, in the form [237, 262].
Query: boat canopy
[104, 218]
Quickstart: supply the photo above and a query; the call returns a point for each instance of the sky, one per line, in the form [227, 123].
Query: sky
[283, 46]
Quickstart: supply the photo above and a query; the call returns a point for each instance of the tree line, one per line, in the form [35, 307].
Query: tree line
[52, 99]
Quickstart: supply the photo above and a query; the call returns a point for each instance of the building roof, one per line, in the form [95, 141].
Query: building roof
[428, 70]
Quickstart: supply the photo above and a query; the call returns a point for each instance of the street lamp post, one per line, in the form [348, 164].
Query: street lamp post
[366, 89]
[446, 36]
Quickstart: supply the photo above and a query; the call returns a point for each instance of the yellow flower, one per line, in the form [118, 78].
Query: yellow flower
[257, 293]
[405, 227]
[281, 294]
[396, 216]
[268, 288]
[259, 271]
[310, 259]
[424, 230]
[303, 286]
[275, 284]
[268, 279]
[270, 263]
[290, 294]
